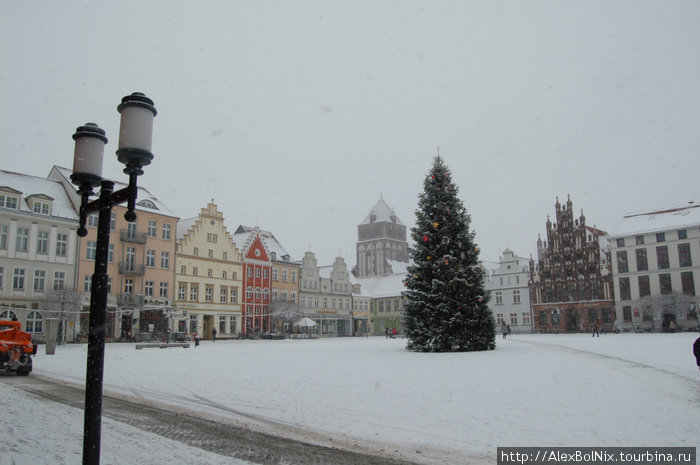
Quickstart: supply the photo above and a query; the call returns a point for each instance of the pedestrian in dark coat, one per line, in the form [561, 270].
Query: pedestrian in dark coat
[386, 333]
[696, 351]
[213, 334]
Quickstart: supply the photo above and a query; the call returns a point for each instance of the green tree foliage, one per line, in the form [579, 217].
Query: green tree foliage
[446, 307]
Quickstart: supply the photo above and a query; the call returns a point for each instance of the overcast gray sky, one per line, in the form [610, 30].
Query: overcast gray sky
[298, 115]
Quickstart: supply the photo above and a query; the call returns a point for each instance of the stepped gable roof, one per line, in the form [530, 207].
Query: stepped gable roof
[383, 212]
[184, 226]
[26, 186]
[244, 234]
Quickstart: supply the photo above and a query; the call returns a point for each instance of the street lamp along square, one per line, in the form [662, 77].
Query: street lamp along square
[134, 151]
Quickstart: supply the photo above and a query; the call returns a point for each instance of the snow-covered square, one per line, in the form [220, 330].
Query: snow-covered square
[533, 390]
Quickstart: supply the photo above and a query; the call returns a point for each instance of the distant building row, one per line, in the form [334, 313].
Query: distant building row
[193, 275]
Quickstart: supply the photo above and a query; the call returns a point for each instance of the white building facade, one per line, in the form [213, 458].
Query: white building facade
[510, 293]
[38, 250]
[656, 262]
[325, 296]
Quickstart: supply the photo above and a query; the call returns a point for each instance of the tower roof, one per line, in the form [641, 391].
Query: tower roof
[382, 212]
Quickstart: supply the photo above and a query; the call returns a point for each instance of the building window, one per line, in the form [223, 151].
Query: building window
[592, 316]
[627, 313]
[194, 271]
[151, 258]
[8, 201]
[91, 249]
[499, 319]
[166, 231]
[59, 280]
[34, 323]
[87, 284]
[662, 257]
[181, 292]
[225, 256]
[128, 286]
[542, 317]
[642, 264]
[682, 234]
[22, 239]
[183, 269]
[148, 289]
[257, 272]
[164, 290]
[526, 318]
[516, 296]
[18, 279]
[499, 298]
[266, 273]
[210, 253]
[234, 296]
[622, 266]
[61, 244]
[208, 294]
[39, 280]
[294, 276]
[3, 236]
[275, 274]
[660, 237]
[284, 276]
[92, 220]
[684, 255]
[639, 240]
[8, 315]
[195, 251]
[165, 260]
[152, 228]
[514, 318]
[110, 253]
[249, 294]
[625, 289]
[644, 287]
[621, 242]
[42, 242]
[211, 237]
[112, 221]
[194, 290]
[210, 272]
[688, 283]
[250, 271]
[665, 283]
[131, 230]
[223, 296]
[193, 323]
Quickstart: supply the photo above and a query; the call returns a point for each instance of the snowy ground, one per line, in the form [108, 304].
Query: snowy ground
[533, 390]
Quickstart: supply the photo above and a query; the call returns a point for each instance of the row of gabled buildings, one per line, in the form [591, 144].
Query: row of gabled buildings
[172, 275]
[193, 275]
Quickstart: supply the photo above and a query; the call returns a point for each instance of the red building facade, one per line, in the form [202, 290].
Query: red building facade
[571, 283]
[257, 282]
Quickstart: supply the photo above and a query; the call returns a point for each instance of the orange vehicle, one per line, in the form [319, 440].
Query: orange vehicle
[16, 348]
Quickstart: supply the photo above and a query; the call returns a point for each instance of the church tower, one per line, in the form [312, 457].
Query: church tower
[381, 240]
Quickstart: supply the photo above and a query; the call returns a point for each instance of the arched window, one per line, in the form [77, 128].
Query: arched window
[34, 323]
[8, 315]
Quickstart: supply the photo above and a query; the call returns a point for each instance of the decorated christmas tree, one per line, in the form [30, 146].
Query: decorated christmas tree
[446, 308]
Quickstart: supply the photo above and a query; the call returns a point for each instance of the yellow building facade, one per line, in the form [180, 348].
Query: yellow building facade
[208, 275]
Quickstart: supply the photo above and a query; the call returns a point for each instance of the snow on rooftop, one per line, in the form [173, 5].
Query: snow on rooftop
[61, 205]
[382, 212]
[678, 217]
[145, 201]
[390, 285]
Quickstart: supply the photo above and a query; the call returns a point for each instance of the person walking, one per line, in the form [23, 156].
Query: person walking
[595, 330]
[195, 338]
[504, 329]
[696, 351]
[213, 334]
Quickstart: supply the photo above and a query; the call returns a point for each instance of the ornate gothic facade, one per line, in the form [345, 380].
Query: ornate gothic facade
[571, 284]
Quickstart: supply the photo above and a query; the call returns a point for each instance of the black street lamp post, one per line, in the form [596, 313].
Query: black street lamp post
[137, 113]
